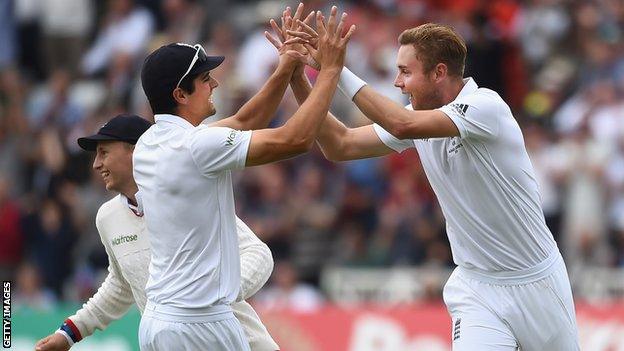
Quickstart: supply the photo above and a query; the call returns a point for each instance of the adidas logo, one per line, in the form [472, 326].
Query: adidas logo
[456, 326]
[460, 108]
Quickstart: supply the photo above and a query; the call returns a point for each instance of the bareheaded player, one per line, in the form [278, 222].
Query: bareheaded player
[510, 290]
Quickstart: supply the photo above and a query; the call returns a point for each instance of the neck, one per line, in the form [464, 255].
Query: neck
[192, 119]
[454, 87]
[130, 193]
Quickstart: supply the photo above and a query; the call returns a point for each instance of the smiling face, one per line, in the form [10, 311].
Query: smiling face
[199, 103]
[422, 87]
[113, 160]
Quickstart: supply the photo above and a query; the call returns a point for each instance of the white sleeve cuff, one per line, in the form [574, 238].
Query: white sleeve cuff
[69, 339]
[349, 83]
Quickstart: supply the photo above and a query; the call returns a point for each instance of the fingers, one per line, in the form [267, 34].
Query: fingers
[308, 19]
[302, 35]
[288, 23]
[298, 12]
[41, 345]
[331, 23]
[296, 41]
[341, 24]
[310, 49]
[276, 29]
[295, 54]
[306, 28]
[273, 40]
[320, 25]
[347, 36]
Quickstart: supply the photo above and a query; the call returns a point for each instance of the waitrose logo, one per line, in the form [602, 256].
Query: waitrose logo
[122, 239]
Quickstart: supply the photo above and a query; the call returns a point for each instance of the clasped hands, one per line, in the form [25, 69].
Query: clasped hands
[324, 46]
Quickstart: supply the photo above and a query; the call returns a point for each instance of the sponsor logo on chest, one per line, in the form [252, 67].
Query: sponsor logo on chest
[460, 109]
[124, 239]
[230, 139]
[454, 146]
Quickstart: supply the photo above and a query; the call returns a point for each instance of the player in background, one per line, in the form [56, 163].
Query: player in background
[183, 172]
[121, 226]
[511, 289]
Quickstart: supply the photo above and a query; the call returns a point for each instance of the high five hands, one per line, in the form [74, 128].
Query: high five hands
[299, 40]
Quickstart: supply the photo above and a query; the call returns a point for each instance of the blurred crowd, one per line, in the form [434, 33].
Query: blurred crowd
[67, 66]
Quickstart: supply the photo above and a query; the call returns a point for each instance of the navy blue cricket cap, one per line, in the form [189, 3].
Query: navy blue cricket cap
[163, 68]
[126, 128]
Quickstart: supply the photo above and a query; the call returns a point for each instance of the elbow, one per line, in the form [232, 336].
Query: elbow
[270, 263]
[335, 156]
[401, 130]
[300, 145]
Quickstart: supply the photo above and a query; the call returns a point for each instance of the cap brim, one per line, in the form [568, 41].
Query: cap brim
[90, 143]
[211, 63]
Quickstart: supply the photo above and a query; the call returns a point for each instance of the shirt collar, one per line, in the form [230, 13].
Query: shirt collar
[137, 210]
[177, 120]
[470, 86]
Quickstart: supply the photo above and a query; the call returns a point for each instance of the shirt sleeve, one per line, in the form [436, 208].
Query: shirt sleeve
[255, 259]
[111, 301]
[476, 115]
[398, 145]
[216, 149]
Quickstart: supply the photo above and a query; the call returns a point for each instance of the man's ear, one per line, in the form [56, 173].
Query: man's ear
[179, 96]
[440, 71]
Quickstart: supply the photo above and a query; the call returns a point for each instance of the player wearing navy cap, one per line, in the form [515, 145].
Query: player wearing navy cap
[121, 226]
[183, 170]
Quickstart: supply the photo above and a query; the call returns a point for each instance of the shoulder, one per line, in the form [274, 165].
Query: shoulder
[109, 210]
[206, 136]
[487, 99]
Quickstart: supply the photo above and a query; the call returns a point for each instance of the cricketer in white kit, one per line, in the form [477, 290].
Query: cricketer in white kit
[122, 229]
[183, 172]
[510, 290]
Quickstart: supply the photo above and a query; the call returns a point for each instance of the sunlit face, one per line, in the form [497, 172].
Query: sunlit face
[411, 79]
[113, 160]
[200, 102]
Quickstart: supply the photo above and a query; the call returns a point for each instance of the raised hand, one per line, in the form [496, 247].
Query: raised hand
[287, 44]
[332, 45]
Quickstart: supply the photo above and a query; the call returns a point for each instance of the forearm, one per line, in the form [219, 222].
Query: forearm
[300, 86]
[380, 109]
[260, 109]
[256, 268]
[331, 134]
[255, 259]
[314, 106]
[110, 302]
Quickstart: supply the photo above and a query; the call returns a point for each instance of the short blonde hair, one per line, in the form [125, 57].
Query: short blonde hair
[436, 43]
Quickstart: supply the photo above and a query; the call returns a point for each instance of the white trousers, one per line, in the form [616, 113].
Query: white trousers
[165, 328]
[530, 310]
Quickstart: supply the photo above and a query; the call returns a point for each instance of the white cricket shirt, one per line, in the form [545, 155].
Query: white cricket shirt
[485, 184]
[183, 175]
[126, 241]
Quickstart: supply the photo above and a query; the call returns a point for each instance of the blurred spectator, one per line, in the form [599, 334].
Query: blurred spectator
[560, 64]
[119, 45]
[28, 289]
[64, 36]
[184, 20]
[51, 238]
[286, 292]
[11, 236]
[52, 105]
[8, 54]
